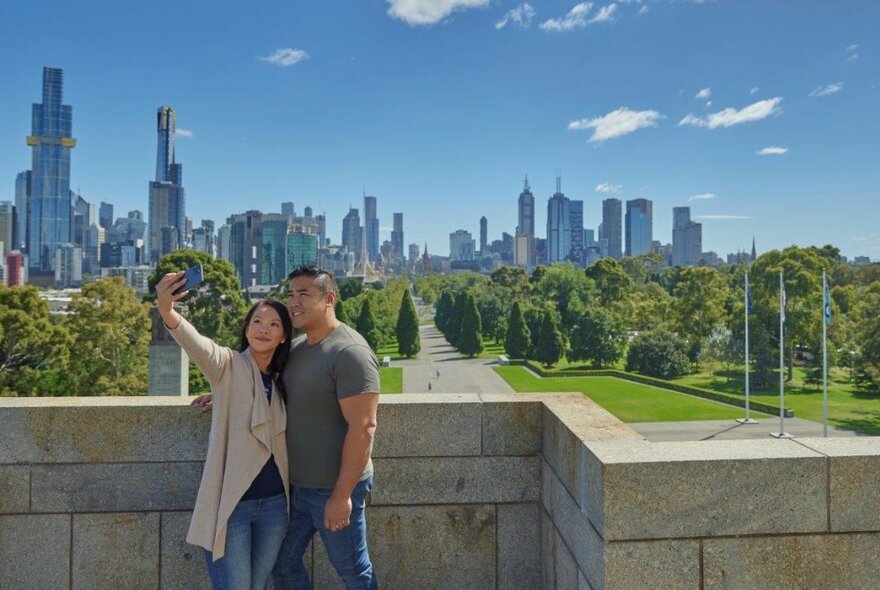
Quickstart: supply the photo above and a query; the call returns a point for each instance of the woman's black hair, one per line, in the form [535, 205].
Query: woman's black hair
[279, 359]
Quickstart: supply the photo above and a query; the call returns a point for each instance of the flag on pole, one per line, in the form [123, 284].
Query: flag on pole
[827, 306]
[781, 298]
[749, 307]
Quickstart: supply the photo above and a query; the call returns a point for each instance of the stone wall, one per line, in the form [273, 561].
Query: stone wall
[471, 491]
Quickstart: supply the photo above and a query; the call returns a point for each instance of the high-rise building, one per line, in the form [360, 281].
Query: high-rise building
[167, 198]
[51, 138]
[287, 209]
[576, 224]
[302, 248]
[105, 215]
[246, 246]
[558, 225]
[7, 227]
[68, 266]
[461, 245]
[526, 211]
[224, 236]
[639, 226]
[397, 236]
[687, 238]
[371, 228]
[321, 220]
[351, 232]
[273, 264]
[84, 215]
[611, 228]
[16, 268]
[484, 237]
[22, 195]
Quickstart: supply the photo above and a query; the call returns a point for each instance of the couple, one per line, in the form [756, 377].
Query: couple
[304, 407]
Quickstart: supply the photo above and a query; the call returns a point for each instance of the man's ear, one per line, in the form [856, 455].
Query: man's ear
[331, 298]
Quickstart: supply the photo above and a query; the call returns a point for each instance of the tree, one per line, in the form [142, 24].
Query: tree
[218, 307]
[721, 347]
[443, 311]
[407, 329]
[611, 280]
[470, 339]
[366, 325]
[658, 353]
[341, 315]
[110, 331]
[550, 342]
[33, 349]
[599, 337]
[763, 355]
[569, 288]
[518, 339]
[701, 295]
[869, 333]
[494, 307]
[453, 326]
[512, 278]
[643, 267]
[350, 288]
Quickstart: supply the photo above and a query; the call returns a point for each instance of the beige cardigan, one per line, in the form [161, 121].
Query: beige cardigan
[245, 431]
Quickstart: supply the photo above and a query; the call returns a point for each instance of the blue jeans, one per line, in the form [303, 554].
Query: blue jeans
[346, 549]
[254, 534]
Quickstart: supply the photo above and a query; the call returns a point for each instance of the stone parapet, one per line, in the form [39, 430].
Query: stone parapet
[471, 491]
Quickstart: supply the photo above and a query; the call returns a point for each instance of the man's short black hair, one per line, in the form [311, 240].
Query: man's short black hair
[323, 278]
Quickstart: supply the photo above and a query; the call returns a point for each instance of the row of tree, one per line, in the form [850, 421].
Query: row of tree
[100, 345]
[695, 314]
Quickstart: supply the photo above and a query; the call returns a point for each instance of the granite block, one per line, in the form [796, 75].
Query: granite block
[430, 428]
[709, 488]
[15, 482]
[559, 569]
[424, 547]
[652, 564]
[583, 584]
[854, 481]
[118, 550]
[456, 480]
[103, 430]
[34, 551]
[801, 561]
[182, 564]
[511, 426]
[519, 533]
[117, 487]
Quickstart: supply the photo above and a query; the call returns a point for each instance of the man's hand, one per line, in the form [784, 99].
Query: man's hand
[337, 512]
[205, 402]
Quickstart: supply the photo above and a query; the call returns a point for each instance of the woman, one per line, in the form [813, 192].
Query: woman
[241, 512]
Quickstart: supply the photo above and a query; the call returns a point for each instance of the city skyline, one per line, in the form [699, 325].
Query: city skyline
[758, 137]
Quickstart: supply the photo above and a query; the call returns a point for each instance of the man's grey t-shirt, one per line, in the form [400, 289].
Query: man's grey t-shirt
[316, 378]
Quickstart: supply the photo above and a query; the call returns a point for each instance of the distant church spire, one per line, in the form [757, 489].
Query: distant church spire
[754, 252]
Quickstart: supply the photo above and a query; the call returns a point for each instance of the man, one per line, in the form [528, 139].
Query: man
[332, 384]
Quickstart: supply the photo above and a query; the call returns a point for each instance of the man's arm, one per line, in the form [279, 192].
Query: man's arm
[360, 413]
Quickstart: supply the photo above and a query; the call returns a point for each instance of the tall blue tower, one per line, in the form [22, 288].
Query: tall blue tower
[48, 211]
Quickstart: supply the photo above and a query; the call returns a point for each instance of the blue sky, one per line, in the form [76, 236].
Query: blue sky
[762, 116]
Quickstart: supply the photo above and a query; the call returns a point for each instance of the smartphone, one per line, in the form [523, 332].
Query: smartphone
[193, 278]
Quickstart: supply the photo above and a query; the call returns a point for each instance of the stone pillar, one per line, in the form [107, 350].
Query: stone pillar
[168, 363]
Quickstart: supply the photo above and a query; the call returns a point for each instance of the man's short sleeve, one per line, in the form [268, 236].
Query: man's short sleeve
[357, 371]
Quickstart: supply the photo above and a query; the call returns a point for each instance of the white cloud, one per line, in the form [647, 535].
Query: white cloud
[702, 197]
[183, 133]
[852, 52]
[286, 57]
[575, 19]
[704, 94]
[605, 14]
[827, 90]
[429, 12]
[616, 123]
[522, 16]
[754, 90]
[724, 217]
[772, 151]
[852, 57]
[730, 116]
[643, 10]
[852, 47]
[607, 187]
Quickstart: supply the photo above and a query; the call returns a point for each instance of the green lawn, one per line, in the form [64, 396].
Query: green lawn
[389, 349]
[631, 402]
[391, 379]
[491, 349]
[847, 407]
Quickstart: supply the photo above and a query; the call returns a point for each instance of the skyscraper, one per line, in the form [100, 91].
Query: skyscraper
[351, 232]
[22, 195]
[639, 226]
[484, 237]
[558, 225]
[7, 227]
[51, 138]
[611, 227]
[167, 223]
[461, 245]
[397, 236]
[687, 238]
[273, 264]
[246, 246]
[576, 223]
[371, 228]
[105, 215]
[287, 209]
[526, 211]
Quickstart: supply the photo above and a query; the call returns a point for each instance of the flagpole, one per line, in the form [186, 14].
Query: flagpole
[782, 433]
[747, 419]
[826, 309]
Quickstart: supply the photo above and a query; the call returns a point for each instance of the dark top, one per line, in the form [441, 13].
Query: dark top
[268, 482]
